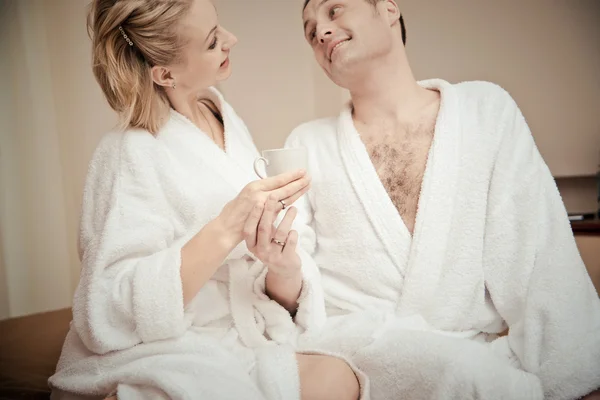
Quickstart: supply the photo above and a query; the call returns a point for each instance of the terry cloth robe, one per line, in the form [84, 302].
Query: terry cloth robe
[144, 198]
[492, 248]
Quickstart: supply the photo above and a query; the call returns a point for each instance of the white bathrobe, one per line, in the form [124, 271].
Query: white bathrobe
[145, 197]
[492, 248]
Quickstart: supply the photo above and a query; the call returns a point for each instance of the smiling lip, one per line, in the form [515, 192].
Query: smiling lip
[333, 45]
[225, 63]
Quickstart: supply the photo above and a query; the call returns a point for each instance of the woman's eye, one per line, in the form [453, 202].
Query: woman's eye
[214, 43]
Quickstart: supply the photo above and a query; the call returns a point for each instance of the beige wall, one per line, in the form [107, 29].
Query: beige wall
[53, 116]
[275, 84]
[545, 52]
[35, 245]
[82, 114]
[6, 124]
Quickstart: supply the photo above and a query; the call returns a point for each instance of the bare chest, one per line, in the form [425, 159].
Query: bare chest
[400, 165]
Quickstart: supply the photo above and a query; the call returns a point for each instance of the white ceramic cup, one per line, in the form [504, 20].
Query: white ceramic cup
[278, 161]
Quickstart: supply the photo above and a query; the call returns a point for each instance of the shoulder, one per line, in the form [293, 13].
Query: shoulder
[487, 97]
[313, 131]
[479, 89]
[126, 175]
[135, 157]
[498, 115]
[132, 150]
[123, 161]
[489, 108]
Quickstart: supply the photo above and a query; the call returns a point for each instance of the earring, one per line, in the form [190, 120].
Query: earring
[173, 85]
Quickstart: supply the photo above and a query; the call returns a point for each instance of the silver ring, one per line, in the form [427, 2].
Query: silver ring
[278, 242]
[283, 204]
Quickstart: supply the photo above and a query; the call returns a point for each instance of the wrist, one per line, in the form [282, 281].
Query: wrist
[284, 278]
[224, 238]
[284, 289]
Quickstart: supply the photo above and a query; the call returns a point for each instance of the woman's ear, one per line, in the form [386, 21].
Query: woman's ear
[162, 76]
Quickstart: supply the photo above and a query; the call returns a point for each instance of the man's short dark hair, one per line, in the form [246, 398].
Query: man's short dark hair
[373, 2]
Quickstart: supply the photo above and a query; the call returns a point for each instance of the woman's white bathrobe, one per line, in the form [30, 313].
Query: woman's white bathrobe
[492, 248]
[145, 197]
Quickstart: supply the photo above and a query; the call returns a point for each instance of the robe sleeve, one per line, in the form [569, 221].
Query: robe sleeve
[272, 321]
[311, 304]
[130, 289]
[533, 270]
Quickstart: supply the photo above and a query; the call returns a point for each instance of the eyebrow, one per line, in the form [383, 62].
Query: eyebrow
[308, 1]
[210, 33]
[320, 4]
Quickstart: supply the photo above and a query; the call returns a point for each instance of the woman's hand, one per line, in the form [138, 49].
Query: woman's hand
[241, 216]
[276, 248]
[202, 255]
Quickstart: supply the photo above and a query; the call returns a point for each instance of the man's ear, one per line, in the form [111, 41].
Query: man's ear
[162, 76]
[392, 11]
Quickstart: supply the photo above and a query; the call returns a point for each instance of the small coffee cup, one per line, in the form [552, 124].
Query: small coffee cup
[278, 161]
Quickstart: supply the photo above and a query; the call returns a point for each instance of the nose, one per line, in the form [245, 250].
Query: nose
[230, 40]
[324, 34]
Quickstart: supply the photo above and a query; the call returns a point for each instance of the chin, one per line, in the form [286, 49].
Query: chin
[338, 77]
[344, 69]
[224, 75]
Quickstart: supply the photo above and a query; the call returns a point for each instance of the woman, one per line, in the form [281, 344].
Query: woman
[175, 298]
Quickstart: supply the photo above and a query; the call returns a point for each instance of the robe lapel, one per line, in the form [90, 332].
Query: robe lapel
[241, 149]
[197, 152]
[436, 203]
[384, 218]
[200, 151]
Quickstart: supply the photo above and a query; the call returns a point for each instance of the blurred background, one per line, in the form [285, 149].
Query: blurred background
[546, 53]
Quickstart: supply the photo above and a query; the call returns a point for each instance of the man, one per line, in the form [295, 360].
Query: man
[437, 226]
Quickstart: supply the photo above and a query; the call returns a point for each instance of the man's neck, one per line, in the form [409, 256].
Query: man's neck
[388, 92]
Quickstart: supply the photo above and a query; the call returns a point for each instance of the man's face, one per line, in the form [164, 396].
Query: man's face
[345, 33]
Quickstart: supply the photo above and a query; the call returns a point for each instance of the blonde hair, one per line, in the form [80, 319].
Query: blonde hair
[129, 37]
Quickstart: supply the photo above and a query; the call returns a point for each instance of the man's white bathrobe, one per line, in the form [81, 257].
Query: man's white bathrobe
[492, 248]
[145, 197]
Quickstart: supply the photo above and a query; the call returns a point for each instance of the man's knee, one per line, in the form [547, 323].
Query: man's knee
[325, 378]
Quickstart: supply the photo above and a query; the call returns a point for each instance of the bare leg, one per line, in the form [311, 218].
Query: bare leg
[325, 378]
[322, 378]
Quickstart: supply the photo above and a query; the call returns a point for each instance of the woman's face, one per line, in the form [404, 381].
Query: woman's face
[205, 58]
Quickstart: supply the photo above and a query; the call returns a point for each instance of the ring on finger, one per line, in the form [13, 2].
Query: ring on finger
[278, 242]
[283, 204]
